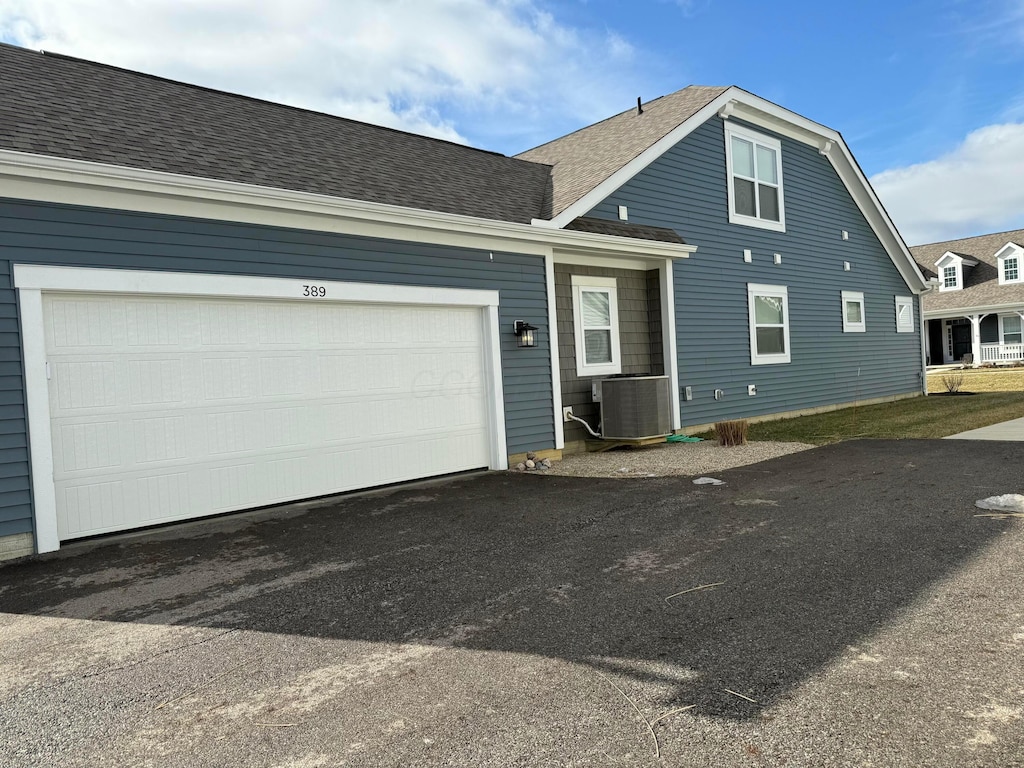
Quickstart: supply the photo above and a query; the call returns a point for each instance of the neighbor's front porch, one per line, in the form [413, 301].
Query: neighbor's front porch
[979, 338]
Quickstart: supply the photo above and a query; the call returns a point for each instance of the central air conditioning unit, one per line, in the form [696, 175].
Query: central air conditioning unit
[635, 407]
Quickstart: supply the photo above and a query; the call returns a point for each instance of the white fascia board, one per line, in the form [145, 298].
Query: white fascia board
[757, 111]
[47, 179]
[955, 258]
[640, 162]
[876, 215]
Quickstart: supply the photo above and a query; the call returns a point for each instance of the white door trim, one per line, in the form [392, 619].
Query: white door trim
[31, 280]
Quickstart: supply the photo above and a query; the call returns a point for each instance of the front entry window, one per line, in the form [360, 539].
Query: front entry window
[596, 319]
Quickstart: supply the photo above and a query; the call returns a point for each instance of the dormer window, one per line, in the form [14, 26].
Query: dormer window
[1009, 260]
[951, 268]
[949, 277]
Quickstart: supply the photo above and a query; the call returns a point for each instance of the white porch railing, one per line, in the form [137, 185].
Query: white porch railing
[1002, 353]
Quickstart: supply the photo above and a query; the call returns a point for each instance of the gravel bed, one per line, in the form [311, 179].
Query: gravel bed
[671, 459]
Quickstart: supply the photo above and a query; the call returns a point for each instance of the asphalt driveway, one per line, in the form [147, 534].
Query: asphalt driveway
[862, 616]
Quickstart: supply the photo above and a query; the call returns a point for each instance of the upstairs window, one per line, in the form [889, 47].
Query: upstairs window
[755, 179]
[949, 280]
[596, 319]
[1008, 260]
[1011, 269]
[853, 312]
[952, 269]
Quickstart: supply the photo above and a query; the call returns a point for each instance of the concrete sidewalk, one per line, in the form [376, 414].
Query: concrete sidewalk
[1004, 430]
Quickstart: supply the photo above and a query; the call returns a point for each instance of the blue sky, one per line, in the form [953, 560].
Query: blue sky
[929, 95]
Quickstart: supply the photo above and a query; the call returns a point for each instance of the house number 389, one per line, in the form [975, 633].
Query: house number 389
[314, 291]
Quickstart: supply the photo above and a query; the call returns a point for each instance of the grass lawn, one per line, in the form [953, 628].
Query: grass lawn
[980, 380]
[933, 416]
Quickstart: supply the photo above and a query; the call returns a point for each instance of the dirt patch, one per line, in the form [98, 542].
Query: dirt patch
[670, 459]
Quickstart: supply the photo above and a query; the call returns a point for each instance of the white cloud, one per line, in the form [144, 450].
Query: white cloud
[417, 65]
[972, 190]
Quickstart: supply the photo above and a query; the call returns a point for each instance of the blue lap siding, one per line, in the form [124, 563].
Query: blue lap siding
[686, 189]
[35, 233]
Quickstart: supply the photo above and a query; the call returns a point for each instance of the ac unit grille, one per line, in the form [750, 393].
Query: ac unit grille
[633, 408]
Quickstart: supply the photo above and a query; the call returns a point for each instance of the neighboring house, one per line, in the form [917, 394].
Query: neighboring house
[215, 303]
[977, 305]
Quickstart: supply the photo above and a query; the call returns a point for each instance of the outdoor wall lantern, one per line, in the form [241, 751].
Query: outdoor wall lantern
[524, 333]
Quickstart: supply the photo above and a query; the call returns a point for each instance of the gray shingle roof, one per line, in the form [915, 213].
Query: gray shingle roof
[585, 158]
[64, 107]
[981, 283]
[624, 229]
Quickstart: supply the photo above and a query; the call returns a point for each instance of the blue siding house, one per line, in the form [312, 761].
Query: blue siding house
[213, 303]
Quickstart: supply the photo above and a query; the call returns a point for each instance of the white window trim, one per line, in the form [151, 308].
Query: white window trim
[610, 286]
[767, 141]
[777, 291]
[858, 297]
[950, 259]
[1010, 251]
[956, 278]
[907, 327]
[1002, 330]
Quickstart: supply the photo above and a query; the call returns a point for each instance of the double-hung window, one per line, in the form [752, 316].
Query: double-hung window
[768, 308]
[1010, 329]
[754, 165]
[853, 312]
[596, 320]
[1011, 269]
[904, 314]
[949, 277]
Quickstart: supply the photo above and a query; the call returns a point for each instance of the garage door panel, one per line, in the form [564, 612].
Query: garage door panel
[226, 323]
[93, 506]
[167, 409]
[156, 381]
[90, 445]
[78, 323]
[160, 438]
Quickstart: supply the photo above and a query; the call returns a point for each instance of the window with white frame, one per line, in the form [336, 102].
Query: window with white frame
[768, 309]
[595, 315]
[1008, 263]
[853, 312]
[1010, 329]
[949, 277]
[1011, 269]
[904, 314]
[755, 179]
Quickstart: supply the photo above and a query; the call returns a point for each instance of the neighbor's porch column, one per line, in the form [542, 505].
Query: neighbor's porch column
[976, 337]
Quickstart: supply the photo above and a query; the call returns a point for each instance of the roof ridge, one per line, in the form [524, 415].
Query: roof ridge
[268, 102]
[617, 114]
[972, 237]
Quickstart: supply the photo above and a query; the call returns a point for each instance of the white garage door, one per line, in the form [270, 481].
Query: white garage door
[166, 408]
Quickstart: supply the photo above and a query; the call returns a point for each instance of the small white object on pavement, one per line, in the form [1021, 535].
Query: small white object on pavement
[1008, 502]
[708, 481]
